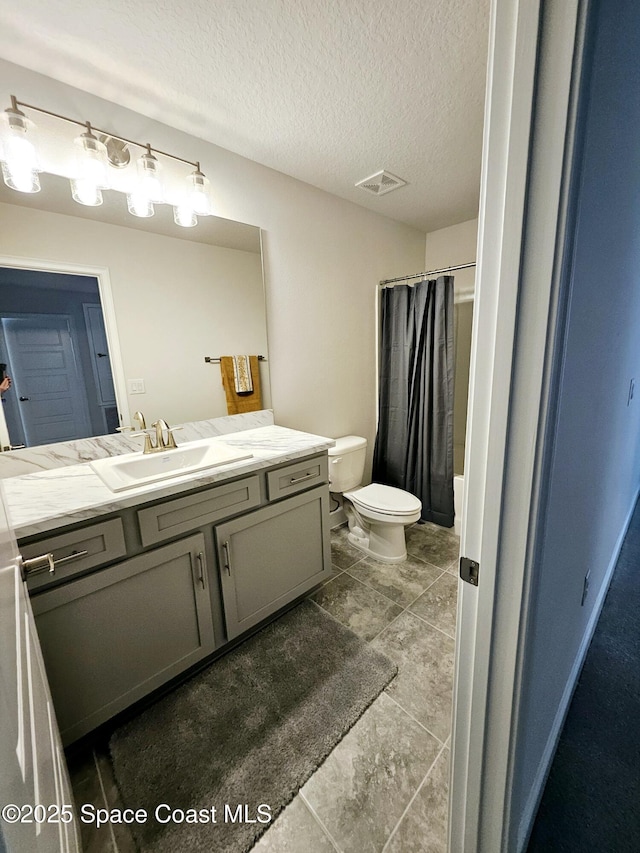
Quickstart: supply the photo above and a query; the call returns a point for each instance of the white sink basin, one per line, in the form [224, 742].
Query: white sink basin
[137, 469]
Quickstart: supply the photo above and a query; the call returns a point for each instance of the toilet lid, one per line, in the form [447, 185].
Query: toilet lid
[386, 499]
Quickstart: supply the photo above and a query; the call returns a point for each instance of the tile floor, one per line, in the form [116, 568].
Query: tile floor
[384, 788]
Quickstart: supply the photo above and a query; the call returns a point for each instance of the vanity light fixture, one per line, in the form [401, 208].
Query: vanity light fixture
[92, 169]
[140, 204]
[149, 181]
[94, 156]
[20, 165]
[86, 192]
[184, 215]
[198, 192]
[92, 166]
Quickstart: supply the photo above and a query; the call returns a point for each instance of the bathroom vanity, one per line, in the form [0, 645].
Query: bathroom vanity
[151, 581]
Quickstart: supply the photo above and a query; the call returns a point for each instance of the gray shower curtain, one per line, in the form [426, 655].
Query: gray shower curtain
[414, 444]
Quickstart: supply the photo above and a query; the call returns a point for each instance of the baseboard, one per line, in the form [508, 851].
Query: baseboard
[533, 800]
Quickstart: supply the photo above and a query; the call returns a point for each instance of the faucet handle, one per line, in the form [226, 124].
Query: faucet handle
[148, 444]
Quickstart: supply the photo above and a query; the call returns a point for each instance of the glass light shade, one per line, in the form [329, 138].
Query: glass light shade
[198, 193]
[92, 164]
[149, 178]
[23, 180]
[140, 205]
[86, 192]
[20, 165]
[184, 215]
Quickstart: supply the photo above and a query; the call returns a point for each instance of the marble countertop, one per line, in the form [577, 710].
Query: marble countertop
[46, 500]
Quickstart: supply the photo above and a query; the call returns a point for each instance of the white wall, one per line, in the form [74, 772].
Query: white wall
[453, 246]
[595, 461]
[444, 248]
[323, 258]
[176, 301]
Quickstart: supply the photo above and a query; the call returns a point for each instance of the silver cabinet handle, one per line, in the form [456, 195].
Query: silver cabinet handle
[304, 477]
[201, 576]
[75, 555]
[227, 558]
[37, 564]
[48, 562]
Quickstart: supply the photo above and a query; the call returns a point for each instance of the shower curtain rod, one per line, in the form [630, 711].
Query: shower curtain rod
[429, 272]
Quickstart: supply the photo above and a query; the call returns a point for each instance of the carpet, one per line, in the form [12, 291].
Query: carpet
[232, 746]
[590, 801]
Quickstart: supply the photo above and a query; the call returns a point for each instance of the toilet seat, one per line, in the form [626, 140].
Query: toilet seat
[386, 500]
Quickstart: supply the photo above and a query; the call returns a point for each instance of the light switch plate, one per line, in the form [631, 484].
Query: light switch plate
[136, 386]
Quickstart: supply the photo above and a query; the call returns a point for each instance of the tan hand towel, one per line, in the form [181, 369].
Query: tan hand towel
[241, 402]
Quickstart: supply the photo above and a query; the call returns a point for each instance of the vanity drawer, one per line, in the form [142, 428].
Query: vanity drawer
[76, 551]
[182, 515]
[294, 478]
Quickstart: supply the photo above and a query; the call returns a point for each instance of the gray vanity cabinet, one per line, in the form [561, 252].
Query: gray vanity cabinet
[137, 599]
[113, 636]
[271, 556]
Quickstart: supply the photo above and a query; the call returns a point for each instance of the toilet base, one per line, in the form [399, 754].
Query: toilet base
[384, 542]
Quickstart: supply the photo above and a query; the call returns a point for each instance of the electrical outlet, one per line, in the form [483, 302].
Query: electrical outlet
[585, 588]
[632, 387]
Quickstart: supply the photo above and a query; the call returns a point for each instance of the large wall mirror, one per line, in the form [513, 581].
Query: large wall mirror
[107, 314]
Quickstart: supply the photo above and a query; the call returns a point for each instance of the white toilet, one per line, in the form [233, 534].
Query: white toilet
[377, 514]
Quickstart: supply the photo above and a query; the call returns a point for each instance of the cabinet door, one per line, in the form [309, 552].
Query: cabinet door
[269, 557]
[110, 638]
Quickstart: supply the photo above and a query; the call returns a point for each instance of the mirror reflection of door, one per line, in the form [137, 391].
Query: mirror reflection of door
[53, 341]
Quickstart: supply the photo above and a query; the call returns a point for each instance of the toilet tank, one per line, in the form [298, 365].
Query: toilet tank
[346, 463]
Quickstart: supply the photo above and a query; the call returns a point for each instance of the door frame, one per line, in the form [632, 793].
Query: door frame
[34, 770]
[535, 58]
[102, 404]
[108, 311]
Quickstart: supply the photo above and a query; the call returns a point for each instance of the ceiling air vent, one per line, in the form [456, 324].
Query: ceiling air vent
[381, 183]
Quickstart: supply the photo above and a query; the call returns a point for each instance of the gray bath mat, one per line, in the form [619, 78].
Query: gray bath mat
[245, 734]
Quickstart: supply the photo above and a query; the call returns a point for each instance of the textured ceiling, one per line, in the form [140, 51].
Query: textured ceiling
[328, 91]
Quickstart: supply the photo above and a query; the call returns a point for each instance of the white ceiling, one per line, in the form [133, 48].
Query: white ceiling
[328, 91]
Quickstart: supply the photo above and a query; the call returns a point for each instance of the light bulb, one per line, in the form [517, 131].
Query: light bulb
[140, 205]
[19, 152]
[92, 165]
[19, 159]
[86, 192]
[184, 215]
[23, 180]
[198, 193]
[149, 177]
